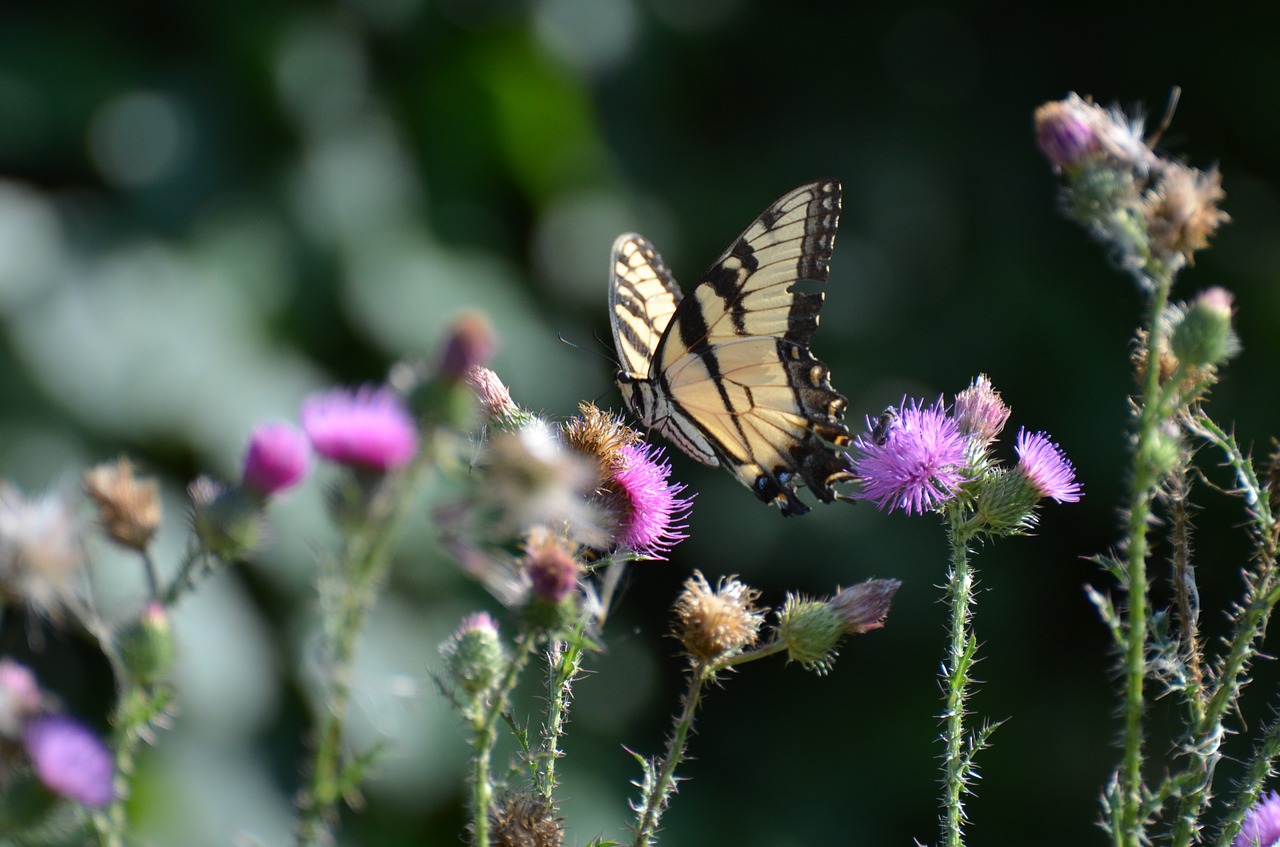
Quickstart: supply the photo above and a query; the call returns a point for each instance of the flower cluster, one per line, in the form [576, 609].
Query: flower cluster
[66, 758]
[923, 457]
[1144, 206]
[572, 498]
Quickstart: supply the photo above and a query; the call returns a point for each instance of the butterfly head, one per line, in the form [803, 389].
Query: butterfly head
[639, 396]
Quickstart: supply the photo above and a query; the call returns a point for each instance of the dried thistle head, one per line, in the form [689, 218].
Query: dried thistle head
[128, 507]
[716, 623]
[598, 434]
[524, 819]
[41, 555]
[1182, 209]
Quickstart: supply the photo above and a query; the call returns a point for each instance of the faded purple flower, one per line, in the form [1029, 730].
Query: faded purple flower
[917, 463]
[70, 759]
[277, 459]
[1261, 827]
[19, 697]
[864, 606]
[368, 428]
[1046, 468]
[1066, 131]
[551, 567]
[649, 507]
[980, 412]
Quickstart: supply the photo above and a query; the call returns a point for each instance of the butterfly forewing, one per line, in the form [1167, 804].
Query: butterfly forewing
[643, 296]
[730, 366]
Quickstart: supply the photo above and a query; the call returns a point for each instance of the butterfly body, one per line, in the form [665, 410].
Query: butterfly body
[726, 373]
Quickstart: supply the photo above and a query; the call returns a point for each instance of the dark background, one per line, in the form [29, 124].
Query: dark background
[209, 210]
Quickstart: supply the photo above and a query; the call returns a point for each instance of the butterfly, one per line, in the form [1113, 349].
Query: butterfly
[726, 373]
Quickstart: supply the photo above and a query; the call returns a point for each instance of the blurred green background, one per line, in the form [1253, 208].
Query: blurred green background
[208, 210]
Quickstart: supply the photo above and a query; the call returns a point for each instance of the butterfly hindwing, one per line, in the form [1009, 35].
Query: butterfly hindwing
[727, 372]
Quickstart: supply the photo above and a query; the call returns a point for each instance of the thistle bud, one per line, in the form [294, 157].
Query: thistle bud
[811, 629]
[471, 344]
[1204, 335]
[277, 459]
[863, 607]
[227, 522]
[474, 656]
[146, 646]
[1066, 132]
[551, 567]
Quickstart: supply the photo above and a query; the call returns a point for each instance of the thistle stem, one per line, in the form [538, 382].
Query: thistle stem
[1130, 830]
[659, 792]
[960, 655]
[486, 737]
[563, 672]
[364, 567]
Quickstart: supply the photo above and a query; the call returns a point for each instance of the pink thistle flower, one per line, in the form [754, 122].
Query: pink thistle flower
[277, 459]
[368, 428]
[1261, 827]
[648, 506]
[915, 464]
[1046, 468]
[70, 759]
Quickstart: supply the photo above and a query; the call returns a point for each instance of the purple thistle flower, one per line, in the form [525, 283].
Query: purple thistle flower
[277, 459]
[1046, 467]
[369, 428]
[1261, 827]
[70, 759]
[917, 464]
[649, 507]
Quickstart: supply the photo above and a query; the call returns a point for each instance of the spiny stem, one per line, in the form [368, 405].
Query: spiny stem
[1129, 831]
[486, 737]
[564, 671]
[660, 792]
[366, 562]
[960, 653]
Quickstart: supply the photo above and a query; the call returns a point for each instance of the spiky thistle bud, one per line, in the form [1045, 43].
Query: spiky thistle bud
[226, 521]
[1204, 335]
[811, 629]
[146, 646]
[474, 657]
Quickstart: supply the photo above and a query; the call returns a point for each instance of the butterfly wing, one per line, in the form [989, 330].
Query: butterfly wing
[643, 296]
[733, 362]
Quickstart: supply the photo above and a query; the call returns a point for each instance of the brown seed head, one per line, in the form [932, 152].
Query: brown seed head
[1183, 209]
[716, 623]
[128, 507]
[525, 820]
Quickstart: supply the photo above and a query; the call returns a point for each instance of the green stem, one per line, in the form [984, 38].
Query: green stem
[486, 737]
[364, 567]
[960, 654]
[1130, 829]
[560, 684]
[659, 792]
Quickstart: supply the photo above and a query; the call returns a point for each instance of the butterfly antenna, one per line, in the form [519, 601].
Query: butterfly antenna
[1175, 94]
[599, 340]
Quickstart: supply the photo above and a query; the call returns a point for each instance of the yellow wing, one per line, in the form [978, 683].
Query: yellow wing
[642, 297]
[731, 376]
